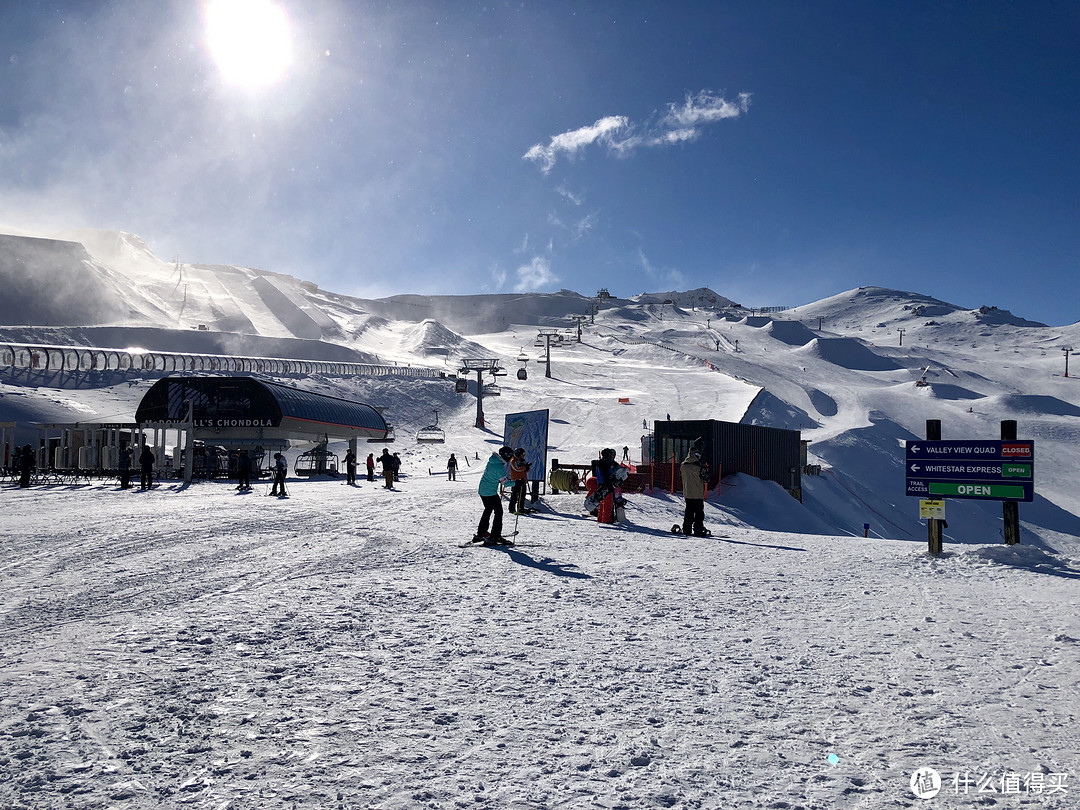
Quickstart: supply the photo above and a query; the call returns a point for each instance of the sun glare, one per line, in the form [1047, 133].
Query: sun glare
[249, 40]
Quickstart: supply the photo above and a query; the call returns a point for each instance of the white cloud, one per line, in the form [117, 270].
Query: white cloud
[569, 143]
[569, 195]
[535, 276]
[681, 124]
[667, 276]
[704, 108]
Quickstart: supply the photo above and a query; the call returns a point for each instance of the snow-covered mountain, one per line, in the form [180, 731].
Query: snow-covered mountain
[197, 646]
[857, 373]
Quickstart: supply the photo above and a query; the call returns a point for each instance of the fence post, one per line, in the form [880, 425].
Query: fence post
[1010, 510]
[933, 525]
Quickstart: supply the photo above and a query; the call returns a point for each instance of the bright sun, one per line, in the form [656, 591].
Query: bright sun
[249, 40]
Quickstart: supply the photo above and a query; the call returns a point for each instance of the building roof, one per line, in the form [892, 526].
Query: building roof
[240, 406]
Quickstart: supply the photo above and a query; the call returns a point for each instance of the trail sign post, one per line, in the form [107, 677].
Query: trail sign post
[971, 469]
[984, 470]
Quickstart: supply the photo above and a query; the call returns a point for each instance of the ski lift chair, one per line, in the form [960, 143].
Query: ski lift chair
[318, 461]
[432, 434]
[461, 385]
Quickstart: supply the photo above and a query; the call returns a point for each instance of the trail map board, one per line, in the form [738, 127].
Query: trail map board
[979, 470]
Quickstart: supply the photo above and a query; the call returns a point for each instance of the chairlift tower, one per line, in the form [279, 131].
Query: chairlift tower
[548, 335]
[480, 366]
[1067, 350]
[578, 321]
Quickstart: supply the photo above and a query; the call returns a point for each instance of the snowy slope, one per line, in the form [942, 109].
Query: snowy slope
[196, 647]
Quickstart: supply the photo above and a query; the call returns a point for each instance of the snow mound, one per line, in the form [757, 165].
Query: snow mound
[768, 410]
[951, 392]
[848, 353]
[430, 338]
[1026, 557]
[1035, 405]
[794, 333]
[766, 505]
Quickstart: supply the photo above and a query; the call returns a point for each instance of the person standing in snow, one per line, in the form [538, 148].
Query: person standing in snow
[387, 462]
[519, 474]
[350, 468]
[495, 473]
[397, 467]
[605, 485]
[370, 466]
[693, 489]
[123, 464]
[281, 468]
[26, 466]
[451, 468]
[146, 467]
[243, 471]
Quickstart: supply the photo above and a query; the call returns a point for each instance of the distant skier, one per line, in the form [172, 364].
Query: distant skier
[451, 468]
[397, 467]
[519, 474]
[693, 488]
[370, 466]
[26, 466]
[123, 464]
[243, 471]
[146, 467]
[281, 469]
[495, 473]
[625, 453]
[350, 467]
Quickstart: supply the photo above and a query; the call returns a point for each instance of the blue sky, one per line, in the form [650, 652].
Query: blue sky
[777, 152]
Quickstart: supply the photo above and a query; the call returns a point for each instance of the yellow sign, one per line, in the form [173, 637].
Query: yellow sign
[932, 509]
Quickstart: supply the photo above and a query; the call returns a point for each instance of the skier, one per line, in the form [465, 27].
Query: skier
[625, 453]
[451, 468]
[243, 471]
[693, 488]
[519, 474]
[350, 467]
[605, 486]
[495, 473]
[387, 462]
[123, 464]
[397, 467]
[26, 466]
[146, 468]
[370, 466]
[281, 468]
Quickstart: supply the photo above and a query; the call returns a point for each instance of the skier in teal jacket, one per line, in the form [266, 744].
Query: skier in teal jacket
[494, 474]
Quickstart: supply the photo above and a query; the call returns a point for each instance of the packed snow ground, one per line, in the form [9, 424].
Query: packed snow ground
[198, 647]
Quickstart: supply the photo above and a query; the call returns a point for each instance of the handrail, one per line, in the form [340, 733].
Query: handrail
[41, 357]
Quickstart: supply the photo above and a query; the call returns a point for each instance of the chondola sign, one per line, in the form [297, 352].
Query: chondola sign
[222, 423]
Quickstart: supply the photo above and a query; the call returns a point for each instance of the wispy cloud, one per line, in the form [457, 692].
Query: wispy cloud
[667, 276]
[570, 143]
[535, 276]
[681, 123]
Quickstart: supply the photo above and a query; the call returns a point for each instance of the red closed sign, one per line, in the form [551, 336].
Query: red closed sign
[1015, 450]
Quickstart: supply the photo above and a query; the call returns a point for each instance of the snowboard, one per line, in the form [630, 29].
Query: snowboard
[677, 529]
[488, 542]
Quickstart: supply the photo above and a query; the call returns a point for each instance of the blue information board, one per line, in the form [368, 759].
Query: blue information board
[980, 470]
